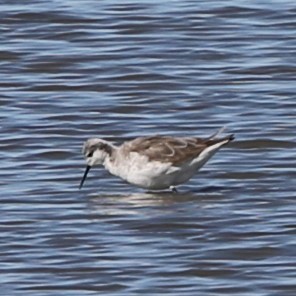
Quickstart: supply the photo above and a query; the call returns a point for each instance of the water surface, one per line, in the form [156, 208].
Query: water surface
[72, 70]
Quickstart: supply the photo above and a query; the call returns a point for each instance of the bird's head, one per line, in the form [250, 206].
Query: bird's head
[95, 152]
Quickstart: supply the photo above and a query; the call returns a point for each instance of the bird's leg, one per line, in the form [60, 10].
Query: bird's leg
[174, 189]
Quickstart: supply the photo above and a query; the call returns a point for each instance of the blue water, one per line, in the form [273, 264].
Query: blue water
[72, 70]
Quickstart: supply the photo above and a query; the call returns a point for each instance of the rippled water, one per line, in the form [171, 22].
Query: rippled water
[119, 69]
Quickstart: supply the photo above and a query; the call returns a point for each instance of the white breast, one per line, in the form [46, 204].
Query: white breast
[138, 170]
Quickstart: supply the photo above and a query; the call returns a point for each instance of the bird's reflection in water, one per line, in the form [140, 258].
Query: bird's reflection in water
[150, 202]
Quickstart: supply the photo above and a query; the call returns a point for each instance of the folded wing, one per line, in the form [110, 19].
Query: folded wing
[168, 149]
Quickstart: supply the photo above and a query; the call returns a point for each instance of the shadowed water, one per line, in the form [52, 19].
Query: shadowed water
[71, 70]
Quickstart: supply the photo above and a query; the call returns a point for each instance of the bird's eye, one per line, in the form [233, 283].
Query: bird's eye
[90, 154]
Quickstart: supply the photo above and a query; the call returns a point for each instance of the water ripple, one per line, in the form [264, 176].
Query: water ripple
[72, 70]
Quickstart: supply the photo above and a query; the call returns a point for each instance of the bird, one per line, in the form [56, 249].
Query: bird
[156, 162]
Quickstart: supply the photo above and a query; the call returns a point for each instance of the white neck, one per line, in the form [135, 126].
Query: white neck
[115, 163]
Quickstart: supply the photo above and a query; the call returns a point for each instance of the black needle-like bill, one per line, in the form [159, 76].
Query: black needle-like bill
[84, 176]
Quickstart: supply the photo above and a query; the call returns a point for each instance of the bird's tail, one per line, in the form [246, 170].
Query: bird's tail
[216, 134]
[213, 138]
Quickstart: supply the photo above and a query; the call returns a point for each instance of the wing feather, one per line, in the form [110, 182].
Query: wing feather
[167, 149]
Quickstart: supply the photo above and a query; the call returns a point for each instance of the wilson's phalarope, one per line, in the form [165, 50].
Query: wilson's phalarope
[153, 162]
